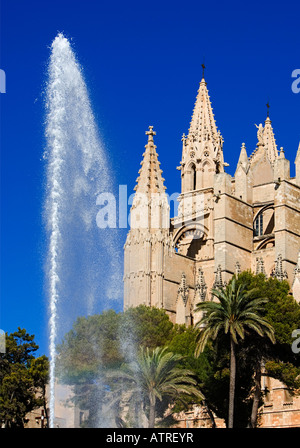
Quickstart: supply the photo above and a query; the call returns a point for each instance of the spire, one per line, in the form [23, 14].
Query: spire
[203, 126]
[266, 143]
[243, 159]
[269, 139]
[150, 178]
[202, 148]
[150, 209]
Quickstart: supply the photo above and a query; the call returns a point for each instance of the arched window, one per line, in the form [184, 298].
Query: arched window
[259, 225]
[264, 222]
[192, 177]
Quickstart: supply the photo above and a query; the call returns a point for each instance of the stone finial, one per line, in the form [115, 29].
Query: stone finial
[281, 154]
[200, 287]
[218, 283]
[237, 268]
[150, 134]
[260, 266]
[183, 289]
[243, 159]
[278, 271]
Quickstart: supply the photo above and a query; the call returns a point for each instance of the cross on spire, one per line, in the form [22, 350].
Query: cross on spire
[150, 134]
[268, 108]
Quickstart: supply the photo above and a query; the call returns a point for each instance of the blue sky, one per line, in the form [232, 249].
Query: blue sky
[142, 65]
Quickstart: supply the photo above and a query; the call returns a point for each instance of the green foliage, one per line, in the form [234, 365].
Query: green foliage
[155, 376]
[283, 313]
[23, 379]
[281, 309]
[148, 327]
[286, 372]
[92, 343]
[236, 310]
[103, 342]
[184, 343]
[106, 341]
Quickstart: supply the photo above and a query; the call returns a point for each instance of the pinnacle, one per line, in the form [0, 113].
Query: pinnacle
[266, 139]
[150, 179]
[203, 124]
[269, 141]
[243, 159]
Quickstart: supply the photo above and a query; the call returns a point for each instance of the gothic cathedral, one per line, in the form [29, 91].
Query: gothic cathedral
[224, 224]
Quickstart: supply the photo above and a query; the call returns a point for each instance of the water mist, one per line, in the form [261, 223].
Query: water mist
[84, 265]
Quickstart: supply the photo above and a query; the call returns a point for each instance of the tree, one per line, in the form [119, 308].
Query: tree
[283, 313]
[39, 371]
[106, 341]
[147, 326]
[154, 376]
[235, 311]
[22, 379]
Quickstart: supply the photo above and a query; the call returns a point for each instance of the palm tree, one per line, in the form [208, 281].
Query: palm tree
[235, 310]
[155, 375]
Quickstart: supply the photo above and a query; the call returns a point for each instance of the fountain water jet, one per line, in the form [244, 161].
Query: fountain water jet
[84, 269]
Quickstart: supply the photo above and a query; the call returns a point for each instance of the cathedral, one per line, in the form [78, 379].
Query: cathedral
[224, 224]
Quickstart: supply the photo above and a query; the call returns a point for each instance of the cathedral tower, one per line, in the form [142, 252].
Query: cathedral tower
[202, 148]
[225, 224]
[148, 240]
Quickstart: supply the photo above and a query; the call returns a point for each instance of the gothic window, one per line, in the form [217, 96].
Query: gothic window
[192, 177]
[258, 225]
[264, 222]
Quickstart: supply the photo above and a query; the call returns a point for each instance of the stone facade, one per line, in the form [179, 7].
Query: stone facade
[225, 224]
[280, 409]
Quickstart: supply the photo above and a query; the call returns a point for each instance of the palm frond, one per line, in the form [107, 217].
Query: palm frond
[234, 309]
